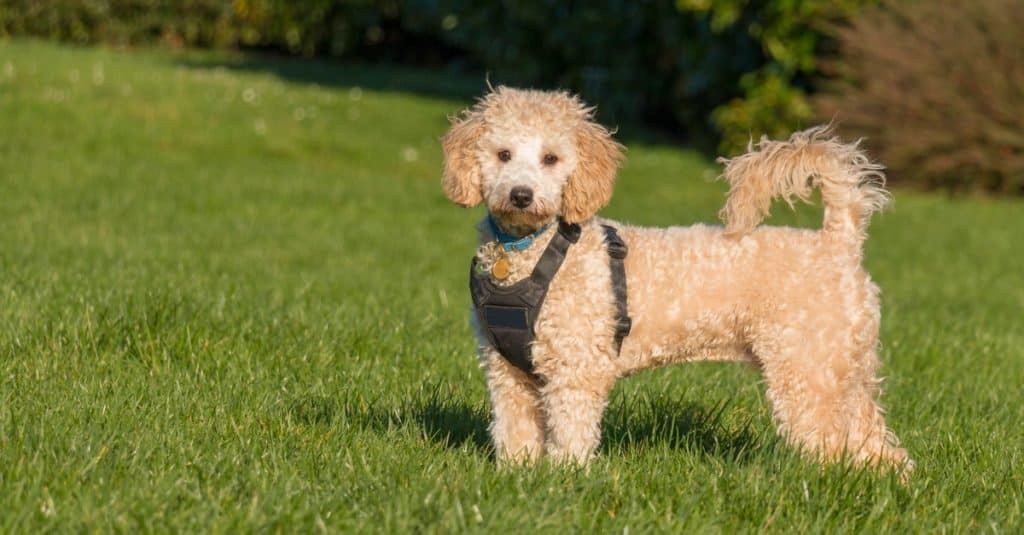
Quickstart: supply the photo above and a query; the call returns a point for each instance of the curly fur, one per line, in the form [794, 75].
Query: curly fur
[794, 302]
[461, 178]
[589, 187]
[852, 186]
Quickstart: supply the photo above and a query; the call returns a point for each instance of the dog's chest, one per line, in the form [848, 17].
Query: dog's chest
[505, 268]
[580, 288]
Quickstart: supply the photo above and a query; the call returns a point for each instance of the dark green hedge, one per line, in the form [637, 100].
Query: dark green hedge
[729, 68]
[178, 23]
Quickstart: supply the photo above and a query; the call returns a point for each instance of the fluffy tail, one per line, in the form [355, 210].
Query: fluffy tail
[852, 186]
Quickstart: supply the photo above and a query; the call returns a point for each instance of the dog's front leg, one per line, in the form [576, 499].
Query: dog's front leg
[517, 426]
[573, 406]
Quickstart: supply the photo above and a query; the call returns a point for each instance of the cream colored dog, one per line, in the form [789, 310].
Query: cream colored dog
[794, 302]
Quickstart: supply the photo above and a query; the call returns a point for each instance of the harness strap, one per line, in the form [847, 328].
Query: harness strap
[617, 252]
[507, 314]
[544, 272]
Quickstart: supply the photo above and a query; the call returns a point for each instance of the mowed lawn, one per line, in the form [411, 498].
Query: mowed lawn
[233, 298]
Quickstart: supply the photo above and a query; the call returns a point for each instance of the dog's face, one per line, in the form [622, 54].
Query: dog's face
[531, 156]
[523, 175]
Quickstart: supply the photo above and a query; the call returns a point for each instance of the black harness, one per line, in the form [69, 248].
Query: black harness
[507, 314]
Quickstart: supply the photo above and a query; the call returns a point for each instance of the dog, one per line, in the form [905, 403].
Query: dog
[795, 303]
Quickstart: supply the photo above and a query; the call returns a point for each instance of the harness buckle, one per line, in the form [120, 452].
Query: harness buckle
[623, 326]
[570, 231]
[617, 250]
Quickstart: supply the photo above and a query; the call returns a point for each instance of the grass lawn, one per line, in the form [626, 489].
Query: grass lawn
[233, 297]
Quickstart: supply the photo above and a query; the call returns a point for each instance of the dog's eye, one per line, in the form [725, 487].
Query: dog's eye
[550, 159]
[504, 155]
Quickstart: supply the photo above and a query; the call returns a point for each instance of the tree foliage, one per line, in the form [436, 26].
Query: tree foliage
[708, 69]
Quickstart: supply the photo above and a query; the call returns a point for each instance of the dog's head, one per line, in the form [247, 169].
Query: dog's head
[530, 156]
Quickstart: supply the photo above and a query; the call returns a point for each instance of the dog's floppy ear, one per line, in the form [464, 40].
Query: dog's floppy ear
[590, 186]
[462, 174]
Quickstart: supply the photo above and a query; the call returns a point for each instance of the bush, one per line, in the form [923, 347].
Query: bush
[710, 70]
[122, 22]
[938, 91]
[368, 29]
[663, 61]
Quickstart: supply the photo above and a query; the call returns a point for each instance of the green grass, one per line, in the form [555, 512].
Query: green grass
[233, 298]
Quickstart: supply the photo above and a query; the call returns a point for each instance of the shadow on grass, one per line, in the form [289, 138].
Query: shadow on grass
[661, 422]
[439, 416]
[454, 425]
[435, 83]
[436, 413]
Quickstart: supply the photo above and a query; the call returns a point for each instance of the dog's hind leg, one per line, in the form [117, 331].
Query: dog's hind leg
[868, 439]
[517, 425]
[823, 392]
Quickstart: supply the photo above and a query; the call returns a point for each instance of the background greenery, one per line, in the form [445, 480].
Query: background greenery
[233, 298]
[706, 69]
[944, 113]
[941, 111]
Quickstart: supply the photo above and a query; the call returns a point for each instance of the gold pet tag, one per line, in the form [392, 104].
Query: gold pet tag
[500, 269]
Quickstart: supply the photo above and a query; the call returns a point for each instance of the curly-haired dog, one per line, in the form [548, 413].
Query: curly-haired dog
[794, 302]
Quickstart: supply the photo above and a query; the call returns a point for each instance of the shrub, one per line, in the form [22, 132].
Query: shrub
[670, 62]
[707, 69]
[178, 23]
[938, 91]
[368, 29]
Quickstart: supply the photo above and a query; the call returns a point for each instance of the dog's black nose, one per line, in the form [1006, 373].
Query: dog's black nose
[521, 197]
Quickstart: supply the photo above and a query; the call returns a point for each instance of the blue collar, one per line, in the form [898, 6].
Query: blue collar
[511, 243]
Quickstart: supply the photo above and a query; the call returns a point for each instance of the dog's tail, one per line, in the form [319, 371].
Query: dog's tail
[852, 186]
